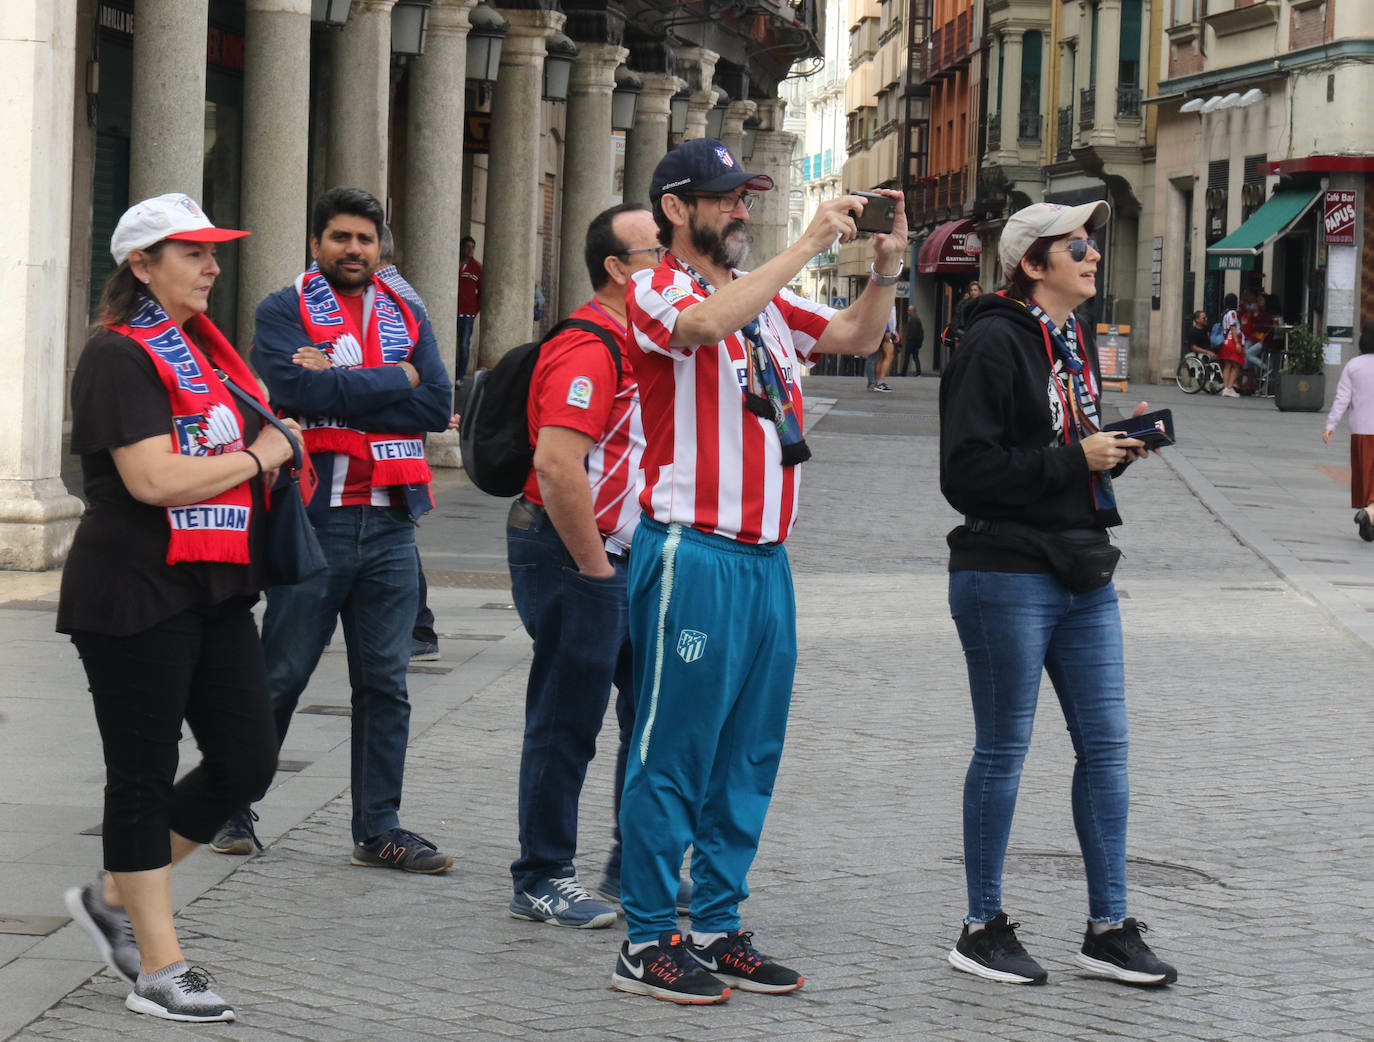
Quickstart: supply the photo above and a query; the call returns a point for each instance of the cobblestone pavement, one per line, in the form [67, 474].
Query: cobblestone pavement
[1251, 834]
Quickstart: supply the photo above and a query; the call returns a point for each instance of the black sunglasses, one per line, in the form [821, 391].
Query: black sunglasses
[1077, 249]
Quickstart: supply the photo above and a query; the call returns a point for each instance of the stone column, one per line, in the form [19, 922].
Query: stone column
[515, 184]
[697, 66]
[732, 129]
[772, 156]
[434, 171]
[1108, 57]
[37, 516]
[1011, 91]
[647, 141]
[167, 143]
[276, 109]
[360, 104]
[587, 158]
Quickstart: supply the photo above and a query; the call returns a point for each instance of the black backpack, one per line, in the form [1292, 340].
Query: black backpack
[494, 435]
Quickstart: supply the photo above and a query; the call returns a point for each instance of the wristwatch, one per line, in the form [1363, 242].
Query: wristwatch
[885, 280]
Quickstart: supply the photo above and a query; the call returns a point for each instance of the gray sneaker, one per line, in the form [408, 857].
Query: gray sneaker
[109, 927]
[178, 992]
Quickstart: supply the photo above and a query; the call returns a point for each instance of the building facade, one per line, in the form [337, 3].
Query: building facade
[1264, 166]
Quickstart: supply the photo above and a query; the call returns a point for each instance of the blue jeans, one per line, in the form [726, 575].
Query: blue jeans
[371, 584]
[1011, 625]
[581, 637]
[465, 324]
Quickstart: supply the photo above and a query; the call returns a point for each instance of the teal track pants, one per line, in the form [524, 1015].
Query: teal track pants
[713, 623]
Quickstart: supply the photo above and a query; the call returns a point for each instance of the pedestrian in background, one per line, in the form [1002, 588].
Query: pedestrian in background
[1356, 393]
[1022, 456]
[158, 590]
[915, 337]
[1231, 354]
[469, 301]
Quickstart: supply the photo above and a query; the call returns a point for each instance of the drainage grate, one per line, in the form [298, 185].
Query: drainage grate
[498, 606]
[97, 829]
[32, 925]
[472, 636]
[1064, 865]
[29, 605]
[437, 671]
[327, 710]
[292, 766]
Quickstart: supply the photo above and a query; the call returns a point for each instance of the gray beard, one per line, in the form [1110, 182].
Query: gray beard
[728, 250]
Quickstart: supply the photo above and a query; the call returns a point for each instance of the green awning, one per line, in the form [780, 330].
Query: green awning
[1276, 217]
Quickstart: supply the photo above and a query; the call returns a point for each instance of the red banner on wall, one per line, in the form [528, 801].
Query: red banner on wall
[1338, 217]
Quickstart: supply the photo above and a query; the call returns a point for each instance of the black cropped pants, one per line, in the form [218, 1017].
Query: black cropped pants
[205, 667]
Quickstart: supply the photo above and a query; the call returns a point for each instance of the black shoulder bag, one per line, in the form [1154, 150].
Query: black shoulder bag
[293, 549]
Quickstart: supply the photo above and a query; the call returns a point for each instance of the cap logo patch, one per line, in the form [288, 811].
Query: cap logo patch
[673, 294]
[723, 154]
[676, 184]
[580, 393]
[186, 203]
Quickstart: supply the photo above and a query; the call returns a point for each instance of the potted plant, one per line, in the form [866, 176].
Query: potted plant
[1302, 382]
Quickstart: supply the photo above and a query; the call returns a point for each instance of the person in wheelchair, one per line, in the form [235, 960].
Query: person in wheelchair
[1199, 337]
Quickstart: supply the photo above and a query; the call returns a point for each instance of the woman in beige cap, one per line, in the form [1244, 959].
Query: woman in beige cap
[158, 590]
[1023, 457]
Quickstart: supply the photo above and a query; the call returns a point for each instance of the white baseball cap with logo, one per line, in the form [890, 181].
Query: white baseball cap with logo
[172, 216]
[1045, 219]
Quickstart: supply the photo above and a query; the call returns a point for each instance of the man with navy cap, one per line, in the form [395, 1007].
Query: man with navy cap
[717, 352]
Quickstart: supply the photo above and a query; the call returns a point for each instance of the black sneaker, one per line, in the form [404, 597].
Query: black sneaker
[403, 849]
[735, 957]
[1123, 955]
[236, 836]
[994, 953]
[665, 971]
[109, 928]
[1366, 526]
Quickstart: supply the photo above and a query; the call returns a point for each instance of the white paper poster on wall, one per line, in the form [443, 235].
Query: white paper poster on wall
[1340, 286]
[617, 167]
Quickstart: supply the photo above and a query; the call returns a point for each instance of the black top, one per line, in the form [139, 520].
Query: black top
[1199, 339]
[1000, 454]
[116, 580]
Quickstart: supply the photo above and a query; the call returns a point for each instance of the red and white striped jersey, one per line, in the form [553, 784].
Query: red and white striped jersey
[708, 462]
[573, 385]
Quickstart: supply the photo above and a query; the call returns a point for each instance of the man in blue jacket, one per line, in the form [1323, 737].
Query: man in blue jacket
[343, 352]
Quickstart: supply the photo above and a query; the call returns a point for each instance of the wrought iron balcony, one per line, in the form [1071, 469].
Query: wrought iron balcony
[1064, 137]
[994, 131]
[1128, 102]
[1028, 126]
[1087, 104]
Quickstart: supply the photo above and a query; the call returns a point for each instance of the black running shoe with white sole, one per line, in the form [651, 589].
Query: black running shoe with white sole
[108, 927]
[735, 958]
[994, 953]
[665, 971]
[1123, 955]
[178, 992]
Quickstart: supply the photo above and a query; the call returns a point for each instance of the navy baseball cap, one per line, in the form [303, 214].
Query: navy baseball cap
[702, 164]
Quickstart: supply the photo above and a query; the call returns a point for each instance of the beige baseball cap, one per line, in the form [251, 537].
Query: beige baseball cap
[1042, 219]
[172, 216]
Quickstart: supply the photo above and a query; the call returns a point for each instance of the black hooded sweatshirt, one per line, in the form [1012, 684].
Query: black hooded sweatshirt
[1000, 455]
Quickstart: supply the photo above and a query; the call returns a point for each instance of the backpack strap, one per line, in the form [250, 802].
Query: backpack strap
[600, 332]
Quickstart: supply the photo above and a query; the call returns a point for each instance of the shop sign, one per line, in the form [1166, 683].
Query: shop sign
[1339, 217]
[477, 132]
[1113, 350]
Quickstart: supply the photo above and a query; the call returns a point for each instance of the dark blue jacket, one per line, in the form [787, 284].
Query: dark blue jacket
[378, 400]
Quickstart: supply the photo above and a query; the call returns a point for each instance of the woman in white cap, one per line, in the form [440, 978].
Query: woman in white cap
[158, 589]
[1023, 458]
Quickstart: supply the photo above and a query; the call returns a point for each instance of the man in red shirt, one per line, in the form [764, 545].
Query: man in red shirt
[469, 300]
[568, 540]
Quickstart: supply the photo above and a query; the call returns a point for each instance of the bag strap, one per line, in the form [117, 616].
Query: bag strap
[266, 414]
[600, 332]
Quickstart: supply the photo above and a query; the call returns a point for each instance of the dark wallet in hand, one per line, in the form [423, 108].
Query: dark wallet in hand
[1155, 429]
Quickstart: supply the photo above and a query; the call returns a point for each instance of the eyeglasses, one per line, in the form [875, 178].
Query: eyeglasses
[728, 203]
[1077, 249]
[657, 251]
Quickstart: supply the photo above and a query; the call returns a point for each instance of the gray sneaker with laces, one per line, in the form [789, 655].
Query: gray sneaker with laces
[178, 992]
[109, 927]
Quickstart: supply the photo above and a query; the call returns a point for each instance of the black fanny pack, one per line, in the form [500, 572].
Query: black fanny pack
[1082, 559]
